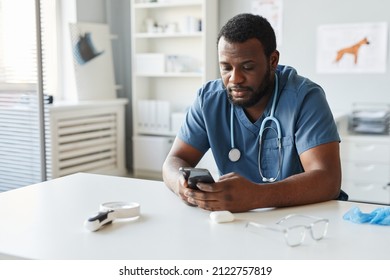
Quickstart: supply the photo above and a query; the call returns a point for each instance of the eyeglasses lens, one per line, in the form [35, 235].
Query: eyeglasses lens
[319, 229]
[295, 235]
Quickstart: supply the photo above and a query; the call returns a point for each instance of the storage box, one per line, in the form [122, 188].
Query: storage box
[149, 63]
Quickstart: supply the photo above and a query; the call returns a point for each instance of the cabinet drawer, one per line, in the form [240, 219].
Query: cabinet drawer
[366, 151]
[366, 191]
[366, 171]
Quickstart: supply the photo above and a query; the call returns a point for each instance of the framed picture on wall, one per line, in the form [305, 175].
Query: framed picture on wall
[92, 60]
[352, 48]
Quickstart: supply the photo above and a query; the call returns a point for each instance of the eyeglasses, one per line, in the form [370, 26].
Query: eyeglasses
[294, 227]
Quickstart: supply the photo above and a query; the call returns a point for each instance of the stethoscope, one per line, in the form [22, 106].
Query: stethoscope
[235, 154]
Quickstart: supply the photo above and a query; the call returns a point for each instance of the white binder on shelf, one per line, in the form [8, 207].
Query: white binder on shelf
[154, 116]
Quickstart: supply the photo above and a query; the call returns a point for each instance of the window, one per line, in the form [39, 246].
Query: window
[21, 115]
[18, 53]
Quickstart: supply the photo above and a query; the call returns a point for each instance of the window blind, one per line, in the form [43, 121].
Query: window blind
[21, 112]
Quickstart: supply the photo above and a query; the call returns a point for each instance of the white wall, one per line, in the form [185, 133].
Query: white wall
[116, 13]
[300, 21]
[91, 11]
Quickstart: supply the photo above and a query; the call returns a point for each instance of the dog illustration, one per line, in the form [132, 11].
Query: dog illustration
[354, 50]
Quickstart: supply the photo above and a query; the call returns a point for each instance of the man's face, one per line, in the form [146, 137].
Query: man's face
[245, 71]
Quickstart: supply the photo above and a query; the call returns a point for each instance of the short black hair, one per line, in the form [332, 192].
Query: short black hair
[243, 27]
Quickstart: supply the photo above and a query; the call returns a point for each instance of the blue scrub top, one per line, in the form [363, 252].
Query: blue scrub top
[302, 110]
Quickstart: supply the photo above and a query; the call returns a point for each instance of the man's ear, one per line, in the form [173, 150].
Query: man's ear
[274, 59]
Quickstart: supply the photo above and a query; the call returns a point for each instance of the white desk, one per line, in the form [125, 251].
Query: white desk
[45, 221]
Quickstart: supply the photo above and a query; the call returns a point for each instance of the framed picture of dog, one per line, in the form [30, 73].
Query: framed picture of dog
[352, 48]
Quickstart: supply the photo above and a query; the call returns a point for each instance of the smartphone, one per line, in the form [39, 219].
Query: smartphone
[195, 175]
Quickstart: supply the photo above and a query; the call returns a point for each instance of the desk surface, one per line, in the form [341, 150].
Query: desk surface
[45, 221]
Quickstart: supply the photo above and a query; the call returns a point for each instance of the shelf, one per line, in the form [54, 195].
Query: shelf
[144, 35]
[158, 133]
[366, 137]
[172, 75]
[166, 4]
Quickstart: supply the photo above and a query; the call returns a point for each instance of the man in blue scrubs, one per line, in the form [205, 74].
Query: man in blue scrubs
[299, 165]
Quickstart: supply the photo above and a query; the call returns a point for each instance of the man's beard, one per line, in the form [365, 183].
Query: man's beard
[255, 95]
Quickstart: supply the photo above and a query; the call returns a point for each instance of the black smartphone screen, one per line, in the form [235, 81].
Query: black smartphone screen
[195, 175]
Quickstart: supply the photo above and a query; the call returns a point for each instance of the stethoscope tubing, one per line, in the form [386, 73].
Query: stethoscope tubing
[270, 118]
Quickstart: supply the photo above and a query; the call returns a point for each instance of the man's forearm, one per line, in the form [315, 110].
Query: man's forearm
[171, 172]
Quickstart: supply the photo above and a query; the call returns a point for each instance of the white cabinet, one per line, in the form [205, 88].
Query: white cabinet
[366, 168]
[146, 159]
[173, 54]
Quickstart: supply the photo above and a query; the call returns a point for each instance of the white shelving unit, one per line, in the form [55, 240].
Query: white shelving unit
[173, 54]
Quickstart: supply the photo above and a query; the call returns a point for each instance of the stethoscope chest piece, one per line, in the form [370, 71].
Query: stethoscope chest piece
[234, 154]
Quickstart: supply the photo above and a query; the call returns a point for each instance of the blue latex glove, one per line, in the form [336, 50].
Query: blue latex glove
[380, 216]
